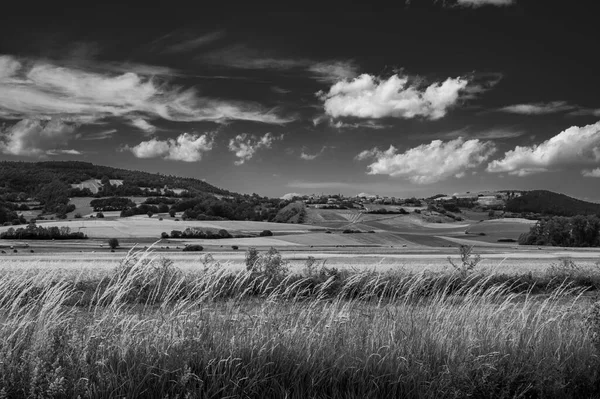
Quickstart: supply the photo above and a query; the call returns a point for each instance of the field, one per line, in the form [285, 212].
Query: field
[324, 313]
[143, 325]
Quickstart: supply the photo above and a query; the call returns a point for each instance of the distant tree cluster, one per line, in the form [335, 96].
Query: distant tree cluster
[198, 233]
[383, 211]
[549, 203]
[34, 232]
[577, 231]
[111, 204]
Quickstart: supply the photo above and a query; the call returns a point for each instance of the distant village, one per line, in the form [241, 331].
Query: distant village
[485, 199]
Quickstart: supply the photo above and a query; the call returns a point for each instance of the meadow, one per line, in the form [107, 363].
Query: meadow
[144, 326]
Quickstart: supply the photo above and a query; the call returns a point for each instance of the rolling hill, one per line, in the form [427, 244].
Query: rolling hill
[551, 203]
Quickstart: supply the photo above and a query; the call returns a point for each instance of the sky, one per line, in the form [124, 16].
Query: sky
[417, 99]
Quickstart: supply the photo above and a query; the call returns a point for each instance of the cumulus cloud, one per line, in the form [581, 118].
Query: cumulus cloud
[429, 163]
[573, 146]
[43, 90]
[368, 96]
[591, 173]
[480, 3]
[186, 148]
[245, 146]
[290, 196]
[539, 108]
[34, 137]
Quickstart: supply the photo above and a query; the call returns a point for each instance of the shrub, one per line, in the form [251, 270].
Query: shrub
[235, 247]
[195, 247]
[468, 261]
[266, 233]
[251, 258]
[78, 216]
[113, 243]
[100, 215]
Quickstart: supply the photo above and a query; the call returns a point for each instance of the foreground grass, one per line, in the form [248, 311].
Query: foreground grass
[152, 331]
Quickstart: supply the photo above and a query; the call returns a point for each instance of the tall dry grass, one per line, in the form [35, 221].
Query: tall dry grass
[149, 330]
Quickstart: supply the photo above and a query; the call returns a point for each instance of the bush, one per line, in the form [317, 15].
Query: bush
[100, 215]
[113, 243]
[196, 248]
[235, 247]
[78, 216]
[266, 233]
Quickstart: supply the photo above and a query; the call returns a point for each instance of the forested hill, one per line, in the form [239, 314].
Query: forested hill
[28, 177]
[550, 203]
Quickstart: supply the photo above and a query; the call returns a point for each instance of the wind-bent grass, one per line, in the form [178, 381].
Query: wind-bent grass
[150, 330]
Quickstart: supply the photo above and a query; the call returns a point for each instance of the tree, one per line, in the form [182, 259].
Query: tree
[100, 215]
[172, 213]
[150, 213]
[113, 243]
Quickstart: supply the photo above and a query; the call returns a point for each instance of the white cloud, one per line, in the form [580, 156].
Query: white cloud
[242, 57]
[573, 146]
[591, 173]
[43, 90]
[429, 163]
[105, 134]
[32, 137]
[8, 66]
[245, 146]
[309, 157]
[480, 3]
[187, 43]
[290, 196]
[63, 152]
[334, 71]
[143, 125]
[368, 96]
[539, 108]
[186, 147]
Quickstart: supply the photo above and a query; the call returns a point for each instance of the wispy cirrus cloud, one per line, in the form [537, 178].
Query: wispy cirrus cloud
[245, 146]
[571, 147]
[311, 157]
[102, 135]
[143, 125]
[43, 90]
[185, 148]
[496, 133]
[539, 108]
[243, 57]
[429, 163]
[369, 96]
[180, 42]
[481, 3]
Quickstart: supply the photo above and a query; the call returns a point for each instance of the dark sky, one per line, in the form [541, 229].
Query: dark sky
[421, 98]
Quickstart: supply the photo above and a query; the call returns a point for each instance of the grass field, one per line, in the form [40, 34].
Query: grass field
[143, 226]
[144, 327]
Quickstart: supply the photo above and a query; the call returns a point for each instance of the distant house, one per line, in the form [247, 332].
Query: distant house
[95, 185]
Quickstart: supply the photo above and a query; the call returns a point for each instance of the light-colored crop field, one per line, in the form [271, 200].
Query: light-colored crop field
[145, 326]
[143, 226]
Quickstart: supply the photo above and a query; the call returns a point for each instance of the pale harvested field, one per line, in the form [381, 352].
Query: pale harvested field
[143, 226]
[101, 262]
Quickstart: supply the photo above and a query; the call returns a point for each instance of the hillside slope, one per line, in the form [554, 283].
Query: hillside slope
[551, 203]
[27, 177]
